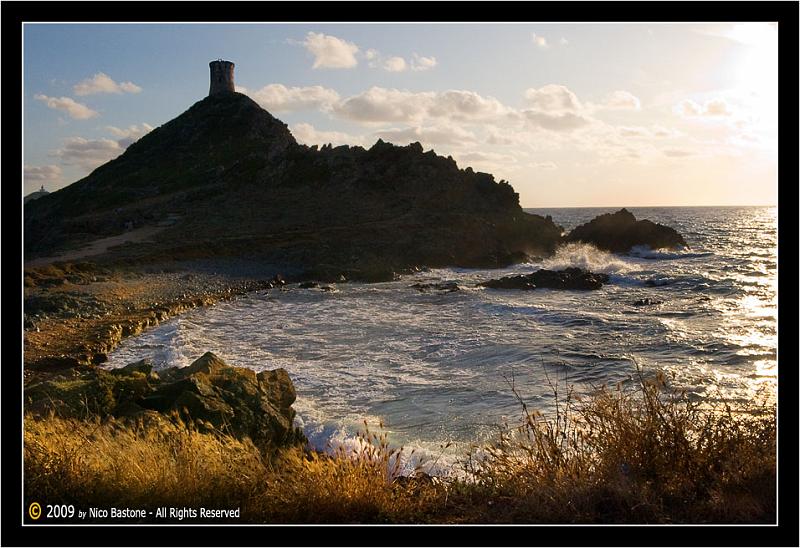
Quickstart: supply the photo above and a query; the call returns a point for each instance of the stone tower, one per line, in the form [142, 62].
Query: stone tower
[221, 77]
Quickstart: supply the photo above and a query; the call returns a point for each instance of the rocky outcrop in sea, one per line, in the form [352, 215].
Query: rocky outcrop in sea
[619, 232]
[569, 278]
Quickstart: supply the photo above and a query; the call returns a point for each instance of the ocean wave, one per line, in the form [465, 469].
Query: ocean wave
[645, 252]
[587, 257]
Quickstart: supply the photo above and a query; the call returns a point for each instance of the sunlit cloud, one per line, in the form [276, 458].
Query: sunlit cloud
[131, 134]
[280, 98]
[330, 52]
[552, 97]
[421, 63]
[395, 64]
[622, 100]
[540, 41]
[712, 108]
[74, 109]
[102, 83]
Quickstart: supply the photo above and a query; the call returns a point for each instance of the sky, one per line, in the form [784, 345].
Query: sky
[570, 114]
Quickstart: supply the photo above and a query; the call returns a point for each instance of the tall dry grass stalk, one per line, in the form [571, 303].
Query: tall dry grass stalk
[617, 456]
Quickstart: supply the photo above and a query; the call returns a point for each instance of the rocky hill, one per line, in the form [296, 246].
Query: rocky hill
[227, 179]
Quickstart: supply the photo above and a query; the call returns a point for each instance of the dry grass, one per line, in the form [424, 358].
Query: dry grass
[649, 456]
[644, 456]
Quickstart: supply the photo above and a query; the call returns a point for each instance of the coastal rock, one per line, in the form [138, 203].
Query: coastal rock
[619, 232]
[569, 278]
[647, 302]
[209, 393]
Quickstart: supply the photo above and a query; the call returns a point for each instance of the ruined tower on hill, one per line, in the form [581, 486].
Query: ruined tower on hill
[221, 77]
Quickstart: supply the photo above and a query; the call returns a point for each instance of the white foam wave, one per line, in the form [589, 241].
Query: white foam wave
[645, 252]
[587, 257]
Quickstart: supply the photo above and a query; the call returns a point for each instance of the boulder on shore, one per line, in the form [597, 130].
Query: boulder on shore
[208, 393]
[569, 278]
[619, 232]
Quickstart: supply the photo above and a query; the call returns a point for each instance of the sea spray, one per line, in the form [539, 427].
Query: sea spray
[587, 257]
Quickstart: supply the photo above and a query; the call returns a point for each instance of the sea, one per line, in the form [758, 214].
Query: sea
[441, 373]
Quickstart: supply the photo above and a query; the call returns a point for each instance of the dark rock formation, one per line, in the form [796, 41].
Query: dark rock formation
[208, 393]
[570, 278]
[619, 232]
[647, 302]
[226, 179]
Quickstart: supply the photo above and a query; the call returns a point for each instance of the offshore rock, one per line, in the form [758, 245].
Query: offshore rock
[619, 232]
[569, 278]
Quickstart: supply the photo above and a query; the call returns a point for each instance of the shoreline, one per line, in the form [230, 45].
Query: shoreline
[78, 320]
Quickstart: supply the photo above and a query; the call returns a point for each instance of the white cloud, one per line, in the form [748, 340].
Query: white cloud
[88, 153]
[70, 106]
[552, 97]
[540, 41]
[42, 175]
[712, 108]
[544, 165]
[279, 98]
[420, 63]
[102, 83]
[131, 134]
[566, 121]
[432, 135]
[330, 51]
[308, 135]
[384, 105]
[395, 64]
[622, 100]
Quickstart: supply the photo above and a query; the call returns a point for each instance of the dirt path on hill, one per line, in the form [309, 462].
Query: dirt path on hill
[98, 246]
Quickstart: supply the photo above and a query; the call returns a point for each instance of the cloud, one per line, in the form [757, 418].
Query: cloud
[544, 165]
[131, 134]
[552, 97]
[420, 63]
[622, 100]
[88, 153]
[566, 121]
[42, 175]
[308, 135]
[330, 51]
[70, 106]
[663, 132]
[384, 105]
[633, 131]
[433, 135]
[91, 153]
[563, 41]
[102, 83]
[279, 98]
[539, 40]
[677, 153]
[717, 107]
[395, 64]
[712, 108]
